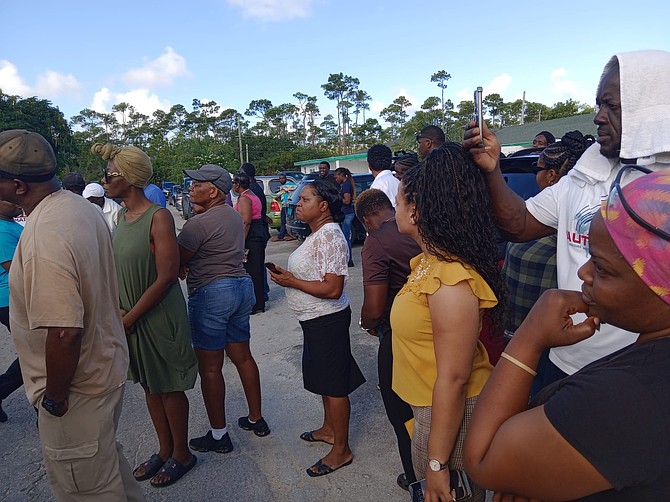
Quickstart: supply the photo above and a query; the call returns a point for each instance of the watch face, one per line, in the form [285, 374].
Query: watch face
[434, 465]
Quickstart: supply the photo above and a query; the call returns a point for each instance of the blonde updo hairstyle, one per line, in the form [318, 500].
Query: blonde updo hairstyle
[131, 162]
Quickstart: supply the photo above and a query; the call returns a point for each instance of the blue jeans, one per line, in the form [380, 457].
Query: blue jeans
[219, 312]
[282, 228]
[346, 230]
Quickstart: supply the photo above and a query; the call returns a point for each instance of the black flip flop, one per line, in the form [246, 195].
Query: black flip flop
[151, 467]
[174, 471]
[309, 437]
[323, 469]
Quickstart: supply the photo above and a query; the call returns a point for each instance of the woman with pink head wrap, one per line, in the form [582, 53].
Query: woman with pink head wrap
[603, 433]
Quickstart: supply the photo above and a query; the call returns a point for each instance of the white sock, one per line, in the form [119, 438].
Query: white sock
[219, 433]
[252, 422]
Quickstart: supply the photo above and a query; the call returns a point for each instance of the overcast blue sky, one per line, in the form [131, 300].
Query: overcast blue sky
[154, 54]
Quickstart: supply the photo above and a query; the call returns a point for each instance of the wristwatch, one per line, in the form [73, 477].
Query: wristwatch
[51, 406]
[436, 466]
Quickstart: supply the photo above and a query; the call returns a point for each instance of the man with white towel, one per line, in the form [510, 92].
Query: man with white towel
[633, 124]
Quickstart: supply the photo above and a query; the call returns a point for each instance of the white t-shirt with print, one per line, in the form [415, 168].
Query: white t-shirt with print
[569, 207]
[323, 252]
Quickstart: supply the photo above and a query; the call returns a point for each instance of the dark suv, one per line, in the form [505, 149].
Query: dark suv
[300, 230]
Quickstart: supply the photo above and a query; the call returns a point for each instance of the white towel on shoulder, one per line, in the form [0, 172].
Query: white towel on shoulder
[645, 105]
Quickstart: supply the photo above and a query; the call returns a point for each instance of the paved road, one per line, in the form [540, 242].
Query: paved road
[259, 469]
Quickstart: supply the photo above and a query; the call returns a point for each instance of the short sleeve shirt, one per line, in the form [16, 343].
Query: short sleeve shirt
[385, 259]
[10, 232]
[347, 188]
[616, 413]
[323, 252]
[217, 239]
[414, 363]
[387, 183]
[63, 275]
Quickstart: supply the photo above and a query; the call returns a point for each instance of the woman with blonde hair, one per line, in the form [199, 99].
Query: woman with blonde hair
[153, 310]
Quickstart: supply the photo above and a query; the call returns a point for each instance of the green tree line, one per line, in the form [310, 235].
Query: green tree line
[272, 136]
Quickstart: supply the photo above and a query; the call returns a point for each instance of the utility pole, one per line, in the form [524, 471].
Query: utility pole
[247, 145]
[523, 107]
[239, 135]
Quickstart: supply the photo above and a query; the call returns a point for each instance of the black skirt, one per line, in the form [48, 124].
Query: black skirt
[328, 368]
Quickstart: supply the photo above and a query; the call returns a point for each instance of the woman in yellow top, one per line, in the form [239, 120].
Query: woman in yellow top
[439, 364]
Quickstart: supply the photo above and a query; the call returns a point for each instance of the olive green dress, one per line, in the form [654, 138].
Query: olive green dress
[161, 355]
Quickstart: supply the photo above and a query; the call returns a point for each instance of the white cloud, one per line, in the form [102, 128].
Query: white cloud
[273, 10]
[52, 84]
[377, 106]
[143, 100]
[100, 100]
[158, 72]
[563, 88]
[498, 85]
[10, 80]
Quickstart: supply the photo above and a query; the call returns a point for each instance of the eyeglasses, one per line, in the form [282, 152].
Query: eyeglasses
[419, 138]
[107, 175]
[617, 192]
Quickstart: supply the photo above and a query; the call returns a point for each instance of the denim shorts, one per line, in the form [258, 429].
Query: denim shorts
[219, 312]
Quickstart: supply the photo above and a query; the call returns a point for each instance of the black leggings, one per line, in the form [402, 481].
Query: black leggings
[397, 410]
[255, 268]
[11, 379]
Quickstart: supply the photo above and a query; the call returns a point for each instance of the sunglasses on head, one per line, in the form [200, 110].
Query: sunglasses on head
[617, 192]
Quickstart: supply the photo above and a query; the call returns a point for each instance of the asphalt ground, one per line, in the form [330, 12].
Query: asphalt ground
[271, 468]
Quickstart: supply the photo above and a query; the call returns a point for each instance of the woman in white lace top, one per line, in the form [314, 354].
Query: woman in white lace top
[314, 283]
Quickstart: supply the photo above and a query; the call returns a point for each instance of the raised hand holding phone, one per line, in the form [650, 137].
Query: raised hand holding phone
[479, 112]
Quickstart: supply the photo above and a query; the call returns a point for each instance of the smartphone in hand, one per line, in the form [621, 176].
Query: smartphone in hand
[272, 267]
[479, 112]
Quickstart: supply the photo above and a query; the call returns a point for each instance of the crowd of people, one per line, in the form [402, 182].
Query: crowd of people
[575, 409]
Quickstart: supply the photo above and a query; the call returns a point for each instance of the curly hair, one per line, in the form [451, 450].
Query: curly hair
[454, 215]
[562, 156]
[380, 157]
[329, 191]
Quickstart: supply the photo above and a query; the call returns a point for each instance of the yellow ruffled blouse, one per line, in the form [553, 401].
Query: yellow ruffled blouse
[414, 365]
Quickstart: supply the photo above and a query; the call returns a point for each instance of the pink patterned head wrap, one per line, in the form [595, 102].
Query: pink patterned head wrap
[647, 253]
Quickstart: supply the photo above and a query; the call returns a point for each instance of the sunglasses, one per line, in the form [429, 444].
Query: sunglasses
[617, 192]
[107, 175]
[536, 169]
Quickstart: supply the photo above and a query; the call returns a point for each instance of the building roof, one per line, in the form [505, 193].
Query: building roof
[522, 135]
[352, 156]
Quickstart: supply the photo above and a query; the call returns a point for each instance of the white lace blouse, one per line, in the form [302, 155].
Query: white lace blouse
[323, 252]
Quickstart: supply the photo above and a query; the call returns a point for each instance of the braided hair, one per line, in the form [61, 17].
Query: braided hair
[562, 156]
[455, 217]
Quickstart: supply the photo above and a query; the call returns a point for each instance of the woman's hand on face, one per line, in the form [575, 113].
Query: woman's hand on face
[548, 324]
[486, 157]
[283, 278]
[438, 488]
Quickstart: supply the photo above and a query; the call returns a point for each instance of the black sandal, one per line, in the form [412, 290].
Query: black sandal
[151, 467]
[173, 471]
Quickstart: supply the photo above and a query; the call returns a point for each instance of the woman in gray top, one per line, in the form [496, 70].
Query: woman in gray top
[221, 297]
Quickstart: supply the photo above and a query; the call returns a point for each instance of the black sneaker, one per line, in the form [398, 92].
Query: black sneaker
[208, 443]
[260, 428]
[3, 415]
[402, 481]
